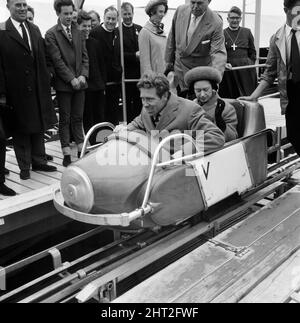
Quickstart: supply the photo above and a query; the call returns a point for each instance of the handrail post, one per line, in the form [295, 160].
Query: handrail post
[155, 158]
[122, 63]
[88, 135]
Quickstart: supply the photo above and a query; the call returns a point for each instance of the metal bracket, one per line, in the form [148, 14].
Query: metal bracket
[108, 292]
[2, 278]
[56, 257]
[238, 252]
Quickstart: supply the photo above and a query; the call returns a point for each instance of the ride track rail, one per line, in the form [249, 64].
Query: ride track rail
[100, 272]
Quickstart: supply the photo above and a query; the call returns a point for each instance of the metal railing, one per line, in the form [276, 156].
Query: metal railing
[90, 132]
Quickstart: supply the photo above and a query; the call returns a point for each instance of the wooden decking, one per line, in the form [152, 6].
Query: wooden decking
[256, 260]
[36, 190]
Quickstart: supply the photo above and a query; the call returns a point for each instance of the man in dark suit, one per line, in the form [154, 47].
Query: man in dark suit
[25, 87]
[196, 39]
[108, 36]
[67, 50]
[131, 60]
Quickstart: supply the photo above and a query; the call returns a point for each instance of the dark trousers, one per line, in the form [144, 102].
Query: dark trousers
[94, 108]
[2, 160]
[113, 113]
[29, 148]
[293, 115]
[133, 101]
[71, 106]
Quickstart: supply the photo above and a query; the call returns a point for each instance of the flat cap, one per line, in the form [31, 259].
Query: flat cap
[153, 3]
[201, 73]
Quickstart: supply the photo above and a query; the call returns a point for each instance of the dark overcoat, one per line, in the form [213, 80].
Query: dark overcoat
[25, 80]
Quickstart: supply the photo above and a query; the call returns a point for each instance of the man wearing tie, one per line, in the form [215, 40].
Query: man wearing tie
[284, 62]
[196, 39]
[25, 88]
[67, 50]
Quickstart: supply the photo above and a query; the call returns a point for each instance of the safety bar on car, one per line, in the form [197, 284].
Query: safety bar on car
[246, 67]
[154, 163]
[88, 135]
[121, 219]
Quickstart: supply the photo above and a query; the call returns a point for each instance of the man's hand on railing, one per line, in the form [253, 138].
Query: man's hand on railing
[120, 128]
[247, 98]
[228, 66]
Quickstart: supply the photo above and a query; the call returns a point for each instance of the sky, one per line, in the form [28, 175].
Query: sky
[272, 7]
[272, 11]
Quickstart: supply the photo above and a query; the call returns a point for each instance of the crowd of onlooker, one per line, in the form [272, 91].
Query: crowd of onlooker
[82, 56]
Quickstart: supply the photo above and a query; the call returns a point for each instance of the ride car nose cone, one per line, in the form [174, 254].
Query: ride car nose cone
[77, 189]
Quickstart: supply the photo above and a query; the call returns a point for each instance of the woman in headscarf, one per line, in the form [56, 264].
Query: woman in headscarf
[152, 38]
[204, 82]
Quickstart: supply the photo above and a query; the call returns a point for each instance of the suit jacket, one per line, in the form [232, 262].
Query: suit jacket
[182, 115]
[24, 80]
[277, 65]
[206, 47]
[70, 60]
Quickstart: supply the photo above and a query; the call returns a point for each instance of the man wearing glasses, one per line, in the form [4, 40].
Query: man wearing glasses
[241, 51]
[196, 39]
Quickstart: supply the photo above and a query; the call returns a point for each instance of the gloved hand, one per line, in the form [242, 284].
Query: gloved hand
[218, 115]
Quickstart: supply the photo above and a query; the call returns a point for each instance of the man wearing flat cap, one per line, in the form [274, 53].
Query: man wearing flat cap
[204, 82]
[196, 39]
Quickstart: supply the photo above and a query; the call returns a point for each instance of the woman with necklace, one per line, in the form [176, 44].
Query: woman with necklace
[152, 38]
[241, 51]
[204, 81]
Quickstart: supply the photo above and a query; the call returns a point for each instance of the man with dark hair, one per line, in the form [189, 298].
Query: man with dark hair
[25, 87]
[108, 37]
[94, 94]
[283, 62]
[196, 39]
[163, 110]
[241, 51]
[131, 59]
[67, 50]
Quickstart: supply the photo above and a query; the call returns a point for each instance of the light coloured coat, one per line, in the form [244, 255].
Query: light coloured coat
[206, 47]
[277, 65]
[182, 115]
[152, 49]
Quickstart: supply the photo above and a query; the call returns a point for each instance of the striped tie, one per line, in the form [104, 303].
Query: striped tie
[69, 34]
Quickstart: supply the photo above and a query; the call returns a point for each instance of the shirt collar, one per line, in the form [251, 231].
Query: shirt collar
[234, 29]
[126, 26]
[17, 23]
[103, 26]
[288, 30]
[197, 18]
[65, 27]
